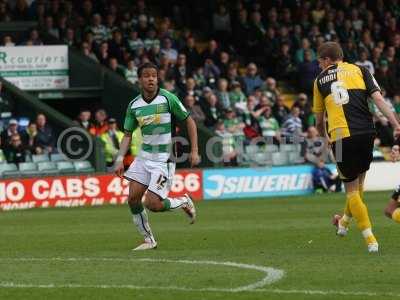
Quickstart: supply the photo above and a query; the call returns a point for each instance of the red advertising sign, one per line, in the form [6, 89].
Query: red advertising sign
[72, 191]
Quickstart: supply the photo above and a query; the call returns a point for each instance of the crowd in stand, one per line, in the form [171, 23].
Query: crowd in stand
[226, 65]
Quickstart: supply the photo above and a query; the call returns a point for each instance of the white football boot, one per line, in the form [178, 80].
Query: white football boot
[189, 209]
[373, 248]
[149, 243]
[340, 230]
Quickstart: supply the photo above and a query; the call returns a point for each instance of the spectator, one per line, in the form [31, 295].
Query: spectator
[11, 130]
[114, 66]
[116, 47]
[5, 103]
[49, 27]
[223, 63]
[251, 80]
[364, 62]
[300, 53]
[305, 109]
[280, 110]
[396, 104]
[228, 144]
[20, 12]
[100, 125]
[211, 72]
[234, 125]
[386, 78]
[270, 89]
[211, 52]
[222, 93]
[315, 147]
[98, 29]
[324, 180]
[103, 55]
[236, 96]
[111, 140]
[15, 152]
[284, 65]
[29, 138]
[180, 71]
[69, 37]
[83, 119]
[8, 41]
[222, 23]
[87, 51]
[151, 40]
[350, 52]
[212, 110]
[45, 140]
[130, 72]
[269, 126]
[308, 71]
[168, 51]
[194, 109]
[34, 38]
[292, 127]
[2, 155]
[192, 54]
[134, 43]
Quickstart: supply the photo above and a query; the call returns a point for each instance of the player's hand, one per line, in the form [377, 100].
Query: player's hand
[395, 153]
[194, 158]
[119, 169]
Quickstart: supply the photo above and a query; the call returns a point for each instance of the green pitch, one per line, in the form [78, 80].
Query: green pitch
[84, 253]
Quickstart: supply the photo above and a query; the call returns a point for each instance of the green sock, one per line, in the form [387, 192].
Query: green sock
[136, 208]
[167, 204]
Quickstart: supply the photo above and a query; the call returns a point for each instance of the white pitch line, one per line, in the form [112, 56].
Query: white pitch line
[271, 274]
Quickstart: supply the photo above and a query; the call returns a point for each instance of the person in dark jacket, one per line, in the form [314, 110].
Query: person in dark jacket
[45, 138]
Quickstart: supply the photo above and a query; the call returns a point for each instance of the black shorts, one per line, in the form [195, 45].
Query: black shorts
[353, 155]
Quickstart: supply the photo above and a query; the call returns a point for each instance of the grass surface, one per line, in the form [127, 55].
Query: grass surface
[292, 234]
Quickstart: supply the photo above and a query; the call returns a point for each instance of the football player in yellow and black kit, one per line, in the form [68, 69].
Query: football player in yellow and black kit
[392, 209]
[341, 92]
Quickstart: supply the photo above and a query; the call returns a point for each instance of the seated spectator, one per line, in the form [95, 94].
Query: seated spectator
[103, 54]
[11, 130]
[234, 125]
[315, 147]
[222, 93]
[284, 64]
[211, 72]
[228, 145]
[191, 89]
[236, 96]
[251, 80]
[45, 139]
[34, 38]
[269, 126]
[2, 155]
[130, 72]
[350, 52]
[280, 110]
[364, 62]
[192, 54]
[212, 110]
[151, 40]
[83, 119]
[386, 78]
[308, 71]
[221, 22]
[111, 139]
[194, 109]
[305, 108]
[15, 152]
[200, 78]
[29, 138]
[292, 127]
[168, 51]
[396, 104]
[49, 27]
[180, 71]
[270, 89]
[134, 43]
[100, 125]
[5, 103]
[116, 46]
[114, 66]
[8, 41]
[223, 63]
[211, 52]
[324, 180]
[98, 29]
[300, 53]
[87, 51]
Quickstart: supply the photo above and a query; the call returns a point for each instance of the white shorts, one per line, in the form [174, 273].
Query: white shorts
[157, 176]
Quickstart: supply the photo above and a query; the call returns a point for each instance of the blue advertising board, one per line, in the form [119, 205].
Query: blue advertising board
[230, 183]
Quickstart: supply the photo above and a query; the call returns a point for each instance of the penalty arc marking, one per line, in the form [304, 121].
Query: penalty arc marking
[271, 275]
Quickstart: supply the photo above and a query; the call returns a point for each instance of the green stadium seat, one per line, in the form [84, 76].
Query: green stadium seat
[47, 167]
[7, 170]
[280, 158]
[40, 158]
[65, 167]
[288, 147]
[56, 157]
[83, 166]
[263, 158]
[251, 149]
[271, 148]
[28, 169]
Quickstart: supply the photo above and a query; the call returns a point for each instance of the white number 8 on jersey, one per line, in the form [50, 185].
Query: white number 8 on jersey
[339, 93]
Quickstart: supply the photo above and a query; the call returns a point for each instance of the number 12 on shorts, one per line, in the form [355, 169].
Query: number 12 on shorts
[161, 181]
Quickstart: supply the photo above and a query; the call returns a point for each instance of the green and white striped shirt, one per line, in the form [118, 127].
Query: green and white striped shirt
[156, 121]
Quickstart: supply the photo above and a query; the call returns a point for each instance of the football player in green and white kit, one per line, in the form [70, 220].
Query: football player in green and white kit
[154, 111]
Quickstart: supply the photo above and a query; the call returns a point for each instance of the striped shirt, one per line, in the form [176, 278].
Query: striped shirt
[292, 126]
[156, 121]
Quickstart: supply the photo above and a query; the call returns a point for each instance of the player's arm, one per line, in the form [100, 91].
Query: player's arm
[194, 158]
[386, 111]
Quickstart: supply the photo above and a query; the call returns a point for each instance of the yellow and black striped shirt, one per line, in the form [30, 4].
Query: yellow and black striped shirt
[342, 91]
